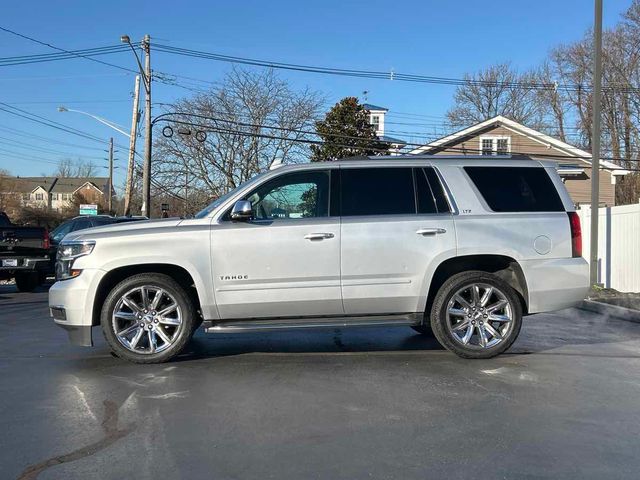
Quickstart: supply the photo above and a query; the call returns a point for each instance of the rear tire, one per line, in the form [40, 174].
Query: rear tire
[143, 328]
[27, 281]
[476, 315]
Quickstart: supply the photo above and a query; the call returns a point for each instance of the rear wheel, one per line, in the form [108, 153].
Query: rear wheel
[476, 315]
[27, 281]
[148, 318]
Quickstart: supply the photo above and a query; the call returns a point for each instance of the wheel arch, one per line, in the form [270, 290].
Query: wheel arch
[505, 267]
[116, 275]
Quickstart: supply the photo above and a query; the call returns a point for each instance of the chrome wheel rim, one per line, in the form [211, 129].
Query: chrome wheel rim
[147, 320]
[479, 316]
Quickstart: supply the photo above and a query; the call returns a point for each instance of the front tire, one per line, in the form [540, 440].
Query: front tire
[148, 318]
[27, 281]
[476, 315]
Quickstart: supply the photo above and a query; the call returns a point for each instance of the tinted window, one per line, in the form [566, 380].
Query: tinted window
[295, 195]
[438, 192]
[516, 189]
[58, 234]
[99, 221]
[81, 224]
[377, 191]
[429, 192]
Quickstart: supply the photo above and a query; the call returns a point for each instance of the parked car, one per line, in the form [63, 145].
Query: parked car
[461, 248]
[24, 254]
[82, 222]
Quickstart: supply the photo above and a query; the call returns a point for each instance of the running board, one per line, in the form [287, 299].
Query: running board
[263, 324]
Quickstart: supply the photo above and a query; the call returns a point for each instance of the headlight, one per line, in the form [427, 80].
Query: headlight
[67, 254]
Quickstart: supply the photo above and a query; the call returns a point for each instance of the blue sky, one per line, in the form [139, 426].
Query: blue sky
[443, 38]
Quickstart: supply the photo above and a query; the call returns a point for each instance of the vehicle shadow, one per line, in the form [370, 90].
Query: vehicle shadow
[312, 341]
[541, 333]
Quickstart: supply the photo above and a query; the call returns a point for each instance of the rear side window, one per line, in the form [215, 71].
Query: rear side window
[377, 191]
[516, 189]
[429, 193]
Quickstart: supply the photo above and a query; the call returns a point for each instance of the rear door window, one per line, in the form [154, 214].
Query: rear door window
[429, 192]
[516, 189]
[377, 191]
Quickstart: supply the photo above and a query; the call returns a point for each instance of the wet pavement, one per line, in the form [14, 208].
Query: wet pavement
[330, 404]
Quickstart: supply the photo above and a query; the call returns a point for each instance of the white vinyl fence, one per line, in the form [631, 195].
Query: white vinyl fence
[618, 245]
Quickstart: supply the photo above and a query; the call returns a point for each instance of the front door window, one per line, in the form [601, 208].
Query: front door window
[292, 196]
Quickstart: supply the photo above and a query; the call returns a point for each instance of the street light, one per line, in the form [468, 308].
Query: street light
[104, 121]
[145, 72]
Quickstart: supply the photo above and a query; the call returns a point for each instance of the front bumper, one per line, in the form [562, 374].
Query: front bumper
[71, 305]
[556, 283]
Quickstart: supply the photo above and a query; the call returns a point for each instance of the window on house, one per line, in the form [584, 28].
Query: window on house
[39, 196]
[487, 146]
[65, 196]
[375, 122]
[495, 145]
[502, 146]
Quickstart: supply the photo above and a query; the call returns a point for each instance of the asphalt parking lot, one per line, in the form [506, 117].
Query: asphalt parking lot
[367, 403]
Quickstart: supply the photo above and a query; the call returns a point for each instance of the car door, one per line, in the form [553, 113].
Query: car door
[285, 262]
[396, 226]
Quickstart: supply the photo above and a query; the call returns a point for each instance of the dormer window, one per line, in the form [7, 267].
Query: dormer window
[497, 145]
[375, 122]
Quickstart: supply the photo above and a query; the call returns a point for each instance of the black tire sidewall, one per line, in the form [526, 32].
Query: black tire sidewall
[27, 281]
[439, 314]
[157, 280]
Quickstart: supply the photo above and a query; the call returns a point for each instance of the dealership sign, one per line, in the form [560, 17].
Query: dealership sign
[88, 209]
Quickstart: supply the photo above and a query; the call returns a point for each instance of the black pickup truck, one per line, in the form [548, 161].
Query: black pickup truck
[24, 254]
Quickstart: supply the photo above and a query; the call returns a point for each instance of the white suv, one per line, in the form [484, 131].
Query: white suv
[458, 247]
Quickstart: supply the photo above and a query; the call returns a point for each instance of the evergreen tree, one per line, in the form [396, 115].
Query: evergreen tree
[346, 132]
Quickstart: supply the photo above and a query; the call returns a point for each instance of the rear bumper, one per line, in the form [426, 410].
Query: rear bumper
[71, 305]
[555, 284]
[39, 264]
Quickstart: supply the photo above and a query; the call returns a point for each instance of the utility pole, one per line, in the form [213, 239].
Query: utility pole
[110, 175]
[595, 141]
[146, 167]
[186, 191]
[132, 148]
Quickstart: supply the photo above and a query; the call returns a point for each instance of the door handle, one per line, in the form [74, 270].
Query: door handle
[318, 236]
[430, 231]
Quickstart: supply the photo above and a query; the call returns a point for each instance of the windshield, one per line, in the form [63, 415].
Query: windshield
[220, 200]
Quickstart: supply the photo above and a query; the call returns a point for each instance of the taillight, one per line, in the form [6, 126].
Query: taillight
[576, 234]
[45, 240]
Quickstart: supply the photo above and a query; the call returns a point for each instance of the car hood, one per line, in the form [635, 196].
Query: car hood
[117, 229]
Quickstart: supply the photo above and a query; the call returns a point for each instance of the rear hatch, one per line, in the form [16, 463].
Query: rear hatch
[23, 241]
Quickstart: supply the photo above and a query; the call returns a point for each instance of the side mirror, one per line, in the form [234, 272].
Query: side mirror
[242, 211]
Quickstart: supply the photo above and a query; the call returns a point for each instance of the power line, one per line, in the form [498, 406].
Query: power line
[32, 136]
[377, 74]
[49, 123]
[31, 39]
[18, 144]
[214, 128]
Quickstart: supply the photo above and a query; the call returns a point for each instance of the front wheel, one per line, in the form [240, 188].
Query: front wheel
[476, 315]
[148, 318]
[27, 281]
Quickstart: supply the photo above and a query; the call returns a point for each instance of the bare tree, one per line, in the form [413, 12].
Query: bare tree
[224, 137]
[80, 168]
[9, 198]
[492, 92]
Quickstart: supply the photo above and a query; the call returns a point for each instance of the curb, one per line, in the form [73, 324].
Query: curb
[616, 311]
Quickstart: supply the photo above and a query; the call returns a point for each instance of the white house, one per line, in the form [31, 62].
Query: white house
[377, 120]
